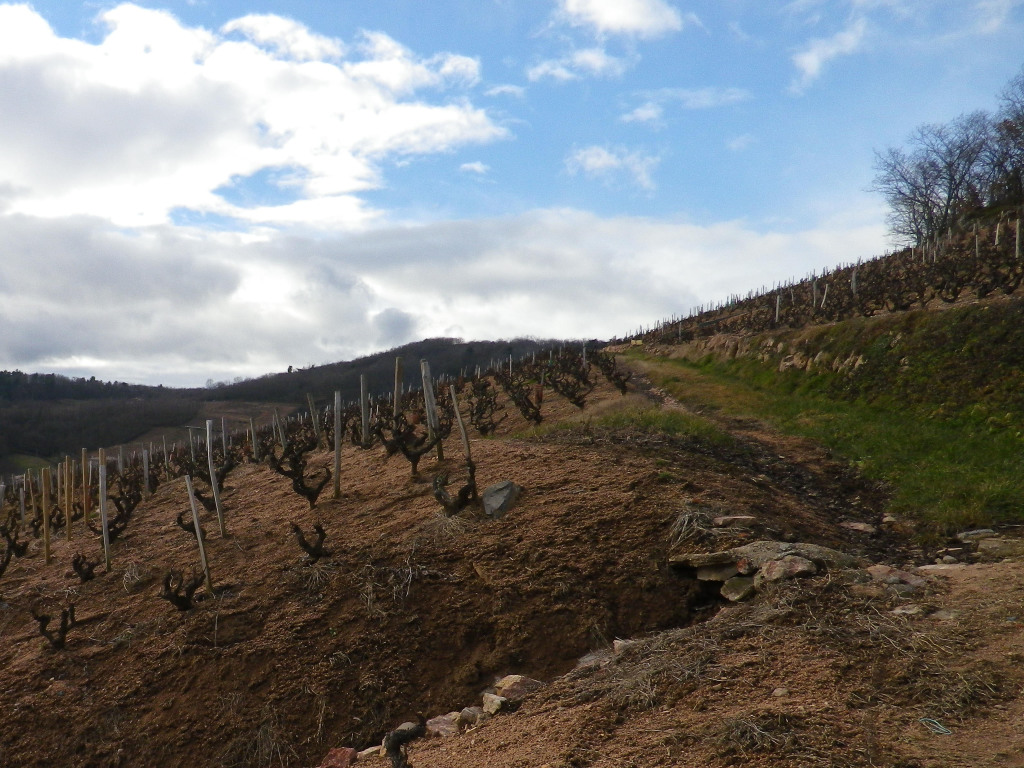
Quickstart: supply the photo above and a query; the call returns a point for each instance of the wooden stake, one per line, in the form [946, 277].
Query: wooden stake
[46, 514]
[364, 406]
[462, 426]
[337, 444]
[396, 406]
[312, 415]
[255, 444]
[86, 479]
[199, 534]
[433, 423]
[69, 494]
[103, 508]
[213, 476]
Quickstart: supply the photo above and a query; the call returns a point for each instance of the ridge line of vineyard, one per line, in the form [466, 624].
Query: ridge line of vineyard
[984, 259]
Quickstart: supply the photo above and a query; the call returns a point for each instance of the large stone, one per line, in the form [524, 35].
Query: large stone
[444, 725]
[997, 549]
[499, 498]
[738, 588]
[340, 757]
[494, 704]
[516, 687]
[789, 567]
[756, 554]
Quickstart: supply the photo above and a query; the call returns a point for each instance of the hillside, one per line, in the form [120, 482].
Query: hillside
[46, 417]
[417, 612]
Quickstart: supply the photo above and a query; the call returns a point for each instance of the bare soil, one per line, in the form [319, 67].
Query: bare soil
[415, 612]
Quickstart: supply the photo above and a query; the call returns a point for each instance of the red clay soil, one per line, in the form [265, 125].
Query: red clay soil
[415, 612]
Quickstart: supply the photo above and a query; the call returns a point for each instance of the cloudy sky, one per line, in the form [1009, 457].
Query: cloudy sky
[196, 190]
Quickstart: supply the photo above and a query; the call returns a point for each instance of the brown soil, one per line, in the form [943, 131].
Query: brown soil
[415, 612]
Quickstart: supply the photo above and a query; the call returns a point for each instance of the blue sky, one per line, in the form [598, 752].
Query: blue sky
[195, 190]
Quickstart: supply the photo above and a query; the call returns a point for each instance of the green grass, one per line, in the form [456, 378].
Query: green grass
[669, 422]
[952, 472]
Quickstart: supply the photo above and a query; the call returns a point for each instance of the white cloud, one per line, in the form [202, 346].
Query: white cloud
[287, 37]
[652, 110]
[592, 62]
[994, 14]
[158, 117]
[648, 112]
[506, 90]
[818, 52]
[205, 305]
[639, 18]
[475, 167]
[739, 143]
[609, 164]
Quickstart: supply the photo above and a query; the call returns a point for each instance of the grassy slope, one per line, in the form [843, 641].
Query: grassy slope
[935, 408]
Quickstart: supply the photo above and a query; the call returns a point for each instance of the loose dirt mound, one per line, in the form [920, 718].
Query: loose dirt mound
[415, 612]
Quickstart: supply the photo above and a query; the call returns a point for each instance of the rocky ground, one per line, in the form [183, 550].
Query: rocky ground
[842, 645]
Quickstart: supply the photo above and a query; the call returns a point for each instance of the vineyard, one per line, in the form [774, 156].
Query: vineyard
[982, 260]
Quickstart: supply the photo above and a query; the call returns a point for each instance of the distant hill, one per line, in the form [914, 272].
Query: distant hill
[47, 415]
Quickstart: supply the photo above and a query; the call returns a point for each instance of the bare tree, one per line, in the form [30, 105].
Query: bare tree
[1005, 155]
[942, 176]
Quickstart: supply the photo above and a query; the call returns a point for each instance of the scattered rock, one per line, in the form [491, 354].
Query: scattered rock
[594, 659]
[738, 588]
[618, 646]
[780, 692]
[977, 535]
[444, 725]
[369, 752]
[889, 575]
[940, 567]
[516, 687]
[472, 716]
[944, 614]
[731, 521]
[860, 527]
[493, 704]
[341, 757]
[789, 567]
[997, 549]
[499, 498]
[949, 559]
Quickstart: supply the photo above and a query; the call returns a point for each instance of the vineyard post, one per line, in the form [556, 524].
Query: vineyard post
[462, 426]
[199, 534]
[224, 436]
[85, 486]
[103, 508]
[255, 445]
[778, 301]
[213, 476]
[433, 424]
[364, 409]
[120, 459]
[396, 405]
[21, 502]
[1016, 250]
[69, 494]
[191, 444]
[46, 514]
[312, 416]
[337, 444]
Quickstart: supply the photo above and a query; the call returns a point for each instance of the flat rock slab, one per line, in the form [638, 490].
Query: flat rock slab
[997, 549]
[889, 575]
[751, 557]
[499, 498]
[859, 527]
[444, 725]
[730, 521]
